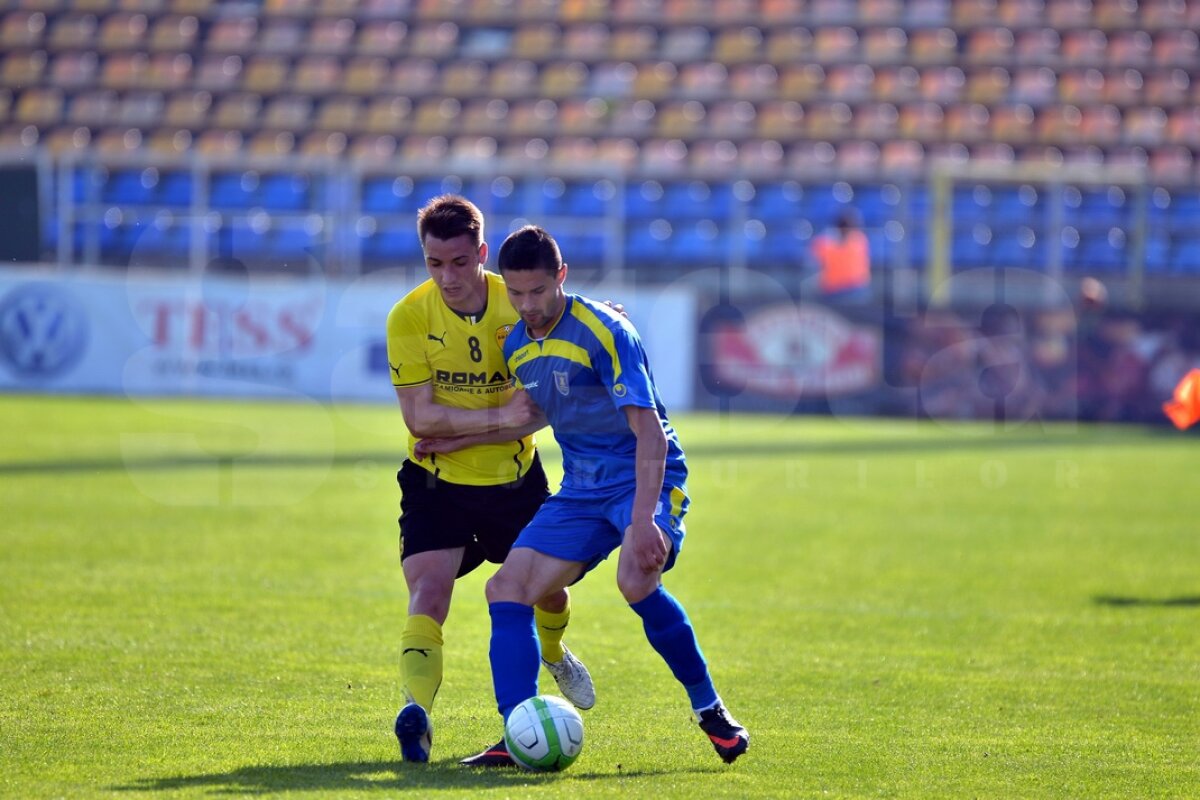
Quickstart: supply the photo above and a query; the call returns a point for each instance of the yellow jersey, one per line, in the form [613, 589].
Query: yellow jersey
[463, 357]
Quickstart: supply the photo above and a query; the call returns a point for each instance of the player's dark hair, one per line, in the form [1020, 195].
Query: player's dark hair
[449, 216]
[530, 248]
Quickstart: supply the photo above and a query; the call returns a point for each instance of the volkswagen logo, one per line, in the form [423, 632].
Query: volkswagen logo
[43, 330]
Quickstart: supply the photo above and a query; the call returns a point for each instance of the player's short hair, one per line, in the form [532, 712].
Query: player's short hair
[449, 216]
[530, 248]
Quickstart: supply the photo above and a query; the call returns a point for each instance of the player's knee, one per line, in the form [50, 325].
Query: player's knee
[636, 585]
[431, 597]
[505, 588]
[555, 602]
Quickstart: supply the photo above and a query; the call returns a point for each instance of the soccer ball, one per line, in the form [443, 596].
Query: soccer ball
[544, 733]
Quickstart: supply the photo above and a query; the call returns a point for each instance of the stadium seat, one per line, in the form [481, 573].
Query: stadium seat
[786, 242]
[587, 198]
[633, 43]
[698, 199]
[271, 242]
[1185, 255]
[1069, 14]
[588, 42]
[219, 72]
[174, 188]
[386, 194]
[885, 45]
[231, 190]
[392, 246]
[697, 244]
[1103, 251]
[72, 31]
[130, 187]
[164, 244]
[383, 37]
[75, 71]
[332, 35]
[174, 32]
[969, 248]
[647, 244]
[286, 191]
[778, 201]
[235, 34]
[582, 249]
[514, 78]
[644, 199]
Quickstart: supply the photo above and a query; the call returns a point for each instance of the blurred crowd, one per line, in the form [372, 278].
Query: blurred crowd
[1081, 362]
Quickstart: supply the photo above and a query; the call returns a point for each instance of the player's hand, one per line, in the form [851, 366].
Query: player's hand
[439, 444]
[650, 548]
[617, 307]
[519, 411]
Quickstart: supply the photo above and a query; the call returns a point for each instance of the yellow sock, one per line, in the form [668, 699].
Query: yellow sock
[421, 660]
[551, 627]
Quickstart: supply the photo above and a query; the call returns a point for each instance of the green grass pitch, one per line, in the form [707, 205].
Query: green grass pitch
[204, 600]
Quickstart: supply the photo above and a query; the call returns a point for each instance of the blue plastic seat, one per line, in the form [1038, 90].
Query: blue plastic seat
[425, 189]
[878, 204]
[1097, 210]
[286, 192]
[1158, 252]
[581, 249]
[584, 198]
[392, 246]
[969, 205]
[645, 199]
[1185, 258]
[776, 201]
[232, 190]
[1007, 250]
[506, 196]
[175, 188]
[386, 194]
[1099, 254]
[169, 245]
[1016, 205]
[700, 244]
[784, 243]
[643, 248]
[86, 184]
[698, 199]
[126, 187]
[967, 252]
[1185, 210]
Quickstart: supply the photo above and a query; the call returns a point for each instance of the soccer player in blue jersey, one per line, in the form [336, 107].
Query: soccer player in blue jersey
[624, 486]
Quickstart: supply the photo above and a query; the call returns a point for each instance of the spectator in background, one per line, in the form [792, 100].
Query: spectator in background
[844, 261]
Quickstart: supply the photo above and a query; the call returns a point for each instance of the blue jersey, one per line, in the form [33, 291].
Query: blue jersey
[588, 368]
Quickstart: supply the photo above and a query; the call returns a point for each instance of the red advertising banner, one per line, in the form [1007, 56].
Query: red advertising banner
[795, 351]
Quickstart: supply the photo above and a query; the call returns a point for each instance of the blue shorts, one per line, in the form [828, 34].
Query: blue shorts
[577, 525]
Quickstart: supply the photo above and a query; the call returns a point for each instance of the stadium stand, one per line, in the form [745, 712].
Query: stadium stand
[777, 92]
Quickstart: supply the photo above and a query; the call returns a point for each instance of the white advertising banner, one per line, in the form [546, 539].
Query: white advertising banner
[91, 332]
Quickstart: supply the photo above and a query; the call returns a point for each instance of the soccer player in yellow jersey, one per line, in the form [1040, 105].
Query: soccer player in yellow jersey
[445, 348]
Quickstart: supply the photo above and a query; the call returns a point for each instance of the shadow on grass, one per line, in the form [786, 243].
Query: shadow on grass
[731, 448]
[1117, 601]
[368, 775]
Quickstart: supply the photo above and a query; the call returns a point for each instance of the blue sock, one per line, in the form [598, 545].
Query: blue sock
[670, 633]
[514, 654]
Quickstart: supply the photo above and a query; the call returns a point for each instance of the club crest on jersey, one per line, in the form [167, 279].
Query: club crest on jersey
[562, 382]
[502, 334]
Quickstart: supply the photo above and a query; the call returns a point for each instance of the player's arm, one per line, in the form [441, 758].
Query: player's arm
[649, 545]
[425, 418]
[450, 444]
